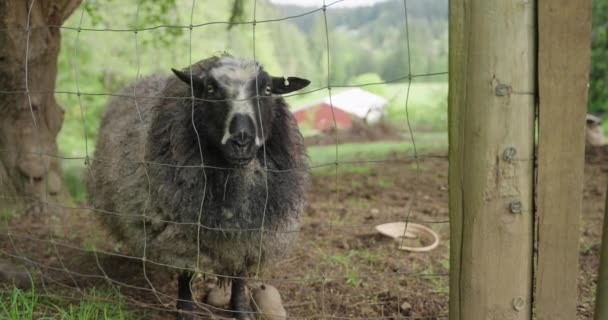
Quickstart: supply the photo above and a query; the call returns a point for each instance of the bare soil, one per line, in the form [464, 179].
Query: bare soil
[339, 267]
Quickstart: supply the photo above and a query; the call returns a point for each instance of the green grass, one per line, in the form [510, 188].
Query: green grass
[384, 183]
[378, 150]
[7, 212]
[18, 304]
[346, 262]
[97, 304]
[357, 203]
[351, 168]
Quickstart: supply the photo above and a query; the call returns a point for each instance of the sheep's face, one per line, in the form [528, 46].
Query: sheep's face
[235, 100]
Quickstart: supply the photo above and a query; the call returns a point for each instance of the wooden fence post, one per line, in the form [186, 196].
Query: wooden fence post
[491, 134]
[563, 70]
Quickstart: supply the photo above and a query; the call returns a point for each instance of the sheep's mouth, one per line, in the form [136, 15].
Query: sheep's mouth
[239, 162]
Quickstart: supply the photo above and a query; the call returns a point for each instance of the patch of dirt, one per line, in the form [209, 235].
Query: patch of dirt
[594, 197]
[339, 266]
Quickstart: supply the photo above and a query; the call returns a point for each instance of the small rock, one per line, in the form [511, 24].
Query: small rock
[344, 245]
[13, 275]
[406, 307]
[266, 300]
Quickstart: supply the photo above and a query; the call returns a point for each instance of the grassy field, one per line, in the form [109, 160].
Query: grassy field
[98, 304]
[378, 150]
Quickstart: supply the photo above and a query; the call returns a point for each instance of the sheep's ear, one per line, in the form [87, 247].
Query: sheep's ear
[282, 85]
[185, 77]
[197, 83]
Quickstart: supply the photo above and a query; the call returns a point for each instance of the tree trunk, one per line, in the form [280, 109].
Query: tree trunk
[30, 118]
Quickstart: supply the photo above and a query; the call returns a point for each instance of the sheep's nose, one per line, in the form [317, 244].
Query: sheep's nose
[242, 131]
[242, 140]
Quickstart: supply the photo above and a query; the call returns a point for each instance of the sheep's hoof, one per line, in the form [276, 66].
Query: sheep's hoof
[183, 316]
[243, 312]
[244, 316]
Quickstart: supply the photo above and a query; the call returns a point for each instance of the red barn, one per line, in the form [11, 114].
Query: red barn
[320, 117]
[347, 106]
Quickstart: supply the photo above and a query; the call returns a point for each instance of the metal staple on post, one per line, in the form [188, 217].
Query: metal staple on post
[509, 154]
[515, 207]
[502, 89]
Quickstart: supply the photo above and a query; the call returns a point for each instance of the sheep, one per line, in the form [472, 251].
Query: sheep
[594, 133]
[197, 173]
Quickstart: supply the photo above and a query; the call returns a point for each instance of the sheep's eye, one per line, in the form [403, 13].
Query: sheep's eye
[267, 91]
[210, 88]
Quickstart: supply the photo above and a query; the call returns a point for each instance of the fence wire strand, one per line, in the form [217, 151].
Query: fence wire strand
[46, 273]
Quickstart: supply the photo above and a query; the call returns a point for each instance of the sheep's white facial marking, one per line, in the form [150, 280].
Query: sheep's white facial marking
[235, 76]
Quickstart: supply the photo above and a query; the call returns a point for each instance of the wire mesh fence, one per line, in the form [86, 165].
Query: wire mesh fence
[337, 268]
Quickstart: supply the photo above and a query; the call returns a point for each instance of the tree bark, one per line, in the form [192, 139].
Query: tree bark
[30, 118]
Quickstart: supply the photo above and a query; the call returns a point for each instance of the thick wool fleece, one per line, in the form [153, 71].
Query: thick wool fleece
[150, 190]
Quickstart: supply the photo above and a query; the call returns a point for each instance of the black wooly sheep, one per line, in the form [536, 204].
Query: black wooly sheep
[154, 194]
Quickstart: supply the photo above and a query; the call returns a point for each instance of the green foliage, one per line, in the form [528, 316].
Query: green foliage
[598, 77]
[238, 13]
[375, 39]
[146, 14]
[367, 80]
[426, 104]
[73, 176]
[100, 63]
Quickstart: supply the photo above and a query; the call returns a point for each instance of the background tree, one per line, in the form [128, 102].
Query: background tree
[30, 38]
[31, 117]
[598, 77]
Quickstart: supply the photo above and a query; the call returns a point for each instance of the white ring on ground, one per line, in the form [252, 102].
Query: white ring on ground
[397, 231]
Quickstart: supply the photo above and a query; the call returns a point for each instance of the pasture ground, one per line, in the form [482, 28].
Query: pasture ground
[339, 267]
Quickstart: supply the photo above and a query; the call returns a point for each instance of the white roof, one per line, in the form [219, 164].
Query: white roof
[355, 101]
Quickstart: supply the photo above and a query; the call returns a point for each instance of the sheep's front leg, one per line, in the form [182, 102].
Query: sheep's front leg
[184, 296]
[239, 301]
